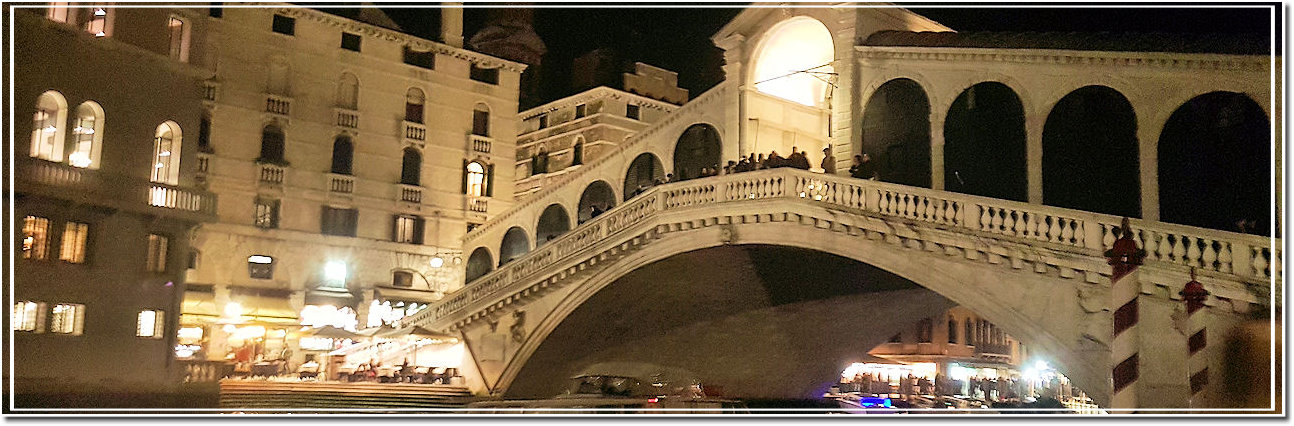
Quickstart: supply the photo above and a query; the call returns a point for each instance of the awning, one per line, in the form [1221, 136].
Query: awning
[199, 303]
[404, 295]
[200, 307]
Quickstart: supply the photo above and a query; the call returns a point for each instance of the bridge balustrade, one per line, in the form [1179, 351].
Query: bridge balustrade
[1247, 257]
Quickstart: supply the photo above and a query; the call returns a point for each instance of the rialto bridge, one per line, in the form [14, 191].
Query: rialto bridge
[1005, 169]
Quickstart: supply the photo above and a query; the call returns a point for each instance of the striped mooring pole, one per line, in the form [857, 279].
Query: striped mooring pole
[1124, 257]
[1194, 295]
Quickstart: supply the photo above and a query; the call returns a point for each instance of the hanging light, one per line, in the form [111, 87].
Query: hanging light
[437, 262]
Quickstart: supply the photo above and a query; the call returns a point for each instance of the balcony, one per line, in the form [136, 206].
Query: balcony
[62, 181]
[480, 144]
[347, 118]
[276, 104]
[415, 132]
[272, 174]
[204, 163]
[479, 205]
[411, 193]
[209, 91]
[342, 184]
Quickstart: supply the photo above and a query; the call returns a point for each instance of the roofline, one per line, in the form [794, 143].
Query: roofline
[594, 93]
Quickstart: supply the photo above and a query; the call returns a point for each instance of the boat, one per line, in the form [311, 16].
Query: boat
[622, 388]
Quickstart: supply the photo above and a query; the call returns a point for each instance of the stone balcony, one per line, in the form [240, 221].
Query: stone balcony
[346, 118]
[480, 144]
[95, 187]
[278, 104]
[341, 184]
[415, 133]
[271, 174]
[410, 193]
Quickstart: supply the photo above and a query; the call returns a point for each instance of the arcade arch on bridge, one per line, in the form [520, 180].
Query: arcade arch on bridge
[553, 222]
[514, 245]
[698, 147]
[479, 264]
[984, 143]
[598, 194]
[644, 171]
[794, 60]
[896, 132]
[1090, 158]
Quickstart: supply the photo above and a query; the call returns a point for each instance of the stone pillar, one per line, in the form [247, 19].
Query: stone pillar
[734, 56]
[937, 150]
[1148, 147]
[1033, 157]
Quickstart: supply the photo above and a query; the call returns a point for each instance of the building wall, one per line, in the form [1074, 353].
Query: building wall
[112, 283]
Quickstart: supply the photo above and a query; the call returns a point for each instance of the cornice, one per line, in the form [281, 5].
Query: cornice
[1069, 57]
[600, 92]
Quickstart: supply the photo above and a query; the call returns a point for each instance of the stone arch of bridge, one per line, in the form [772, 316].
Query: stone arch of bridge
[516, 242]
[1052, 328]
[479, 263]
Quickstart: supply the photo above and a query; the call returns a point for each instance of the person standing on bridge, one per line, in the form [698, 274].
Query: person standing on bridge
[828, 161]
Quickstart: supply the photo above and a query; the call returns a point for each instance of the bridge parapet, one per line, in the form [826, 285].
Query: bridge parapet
[1230, 256]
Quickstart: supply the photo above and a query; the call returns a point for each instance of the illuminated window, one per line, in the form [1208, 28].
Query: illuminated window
[260, 267]
[47, 126]
[793, 61]
[150, 324]
[481, 120]
[87, 136]
[413, 100]
[27, 316]
[58, 11]
[335, 273]
[166, 153]
[179, 33]
[475, 179]
[408, 229]
[267, 213]
[96, 21]
[632, 111]
[67, 318]
[350, 41]
[74, 235]
[156, 253]
[348, 91]
[284, 25]
[35, 241]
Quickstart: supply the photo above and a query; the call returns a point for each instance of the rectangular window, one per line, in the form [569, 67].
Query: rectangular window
[408, 229]
[27, 316]
[402, 279]
[150, 324]
[340, 222]
[35, 238]
[543, 121]
[216, 12]
[74, 236]
[67, 318]
[350, 41]
[260, 267]
[57, 11]
[631, 111]
[481, 123]
[484, 75]
[580, 110]
[156, 253]
[284, 25]
[267, 214]
[420, 59]
[179, 32]
[97, 22]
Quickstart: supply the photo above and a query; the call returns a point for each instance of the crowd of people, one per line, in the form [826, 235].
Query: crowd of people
[983, 388]
[862, 167]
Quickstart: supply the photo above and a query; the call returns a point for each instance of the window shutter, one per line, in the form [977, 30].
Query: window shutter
[352, 222]
[395, 228]
[464, 176]
[323, 220]
[40, 317]
[418, 228]
[489, 181]
[78, 325]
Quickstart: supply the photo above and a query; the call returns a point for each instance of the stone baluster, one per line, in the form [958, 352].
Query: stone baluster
[1008, 221]
[1193, 252]
[1260, 262]
[1209, 256]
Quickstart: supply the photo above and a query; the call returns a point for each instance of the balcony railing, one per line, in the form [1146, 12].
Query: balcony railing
[410, 193]
[272, 174]
[347, 118]
[62, 180]
[276, 104]
[479, 205]
[161, 195]
[209, 91]
[341, 183]
[415, 131]
[480, 143]
[204, 163]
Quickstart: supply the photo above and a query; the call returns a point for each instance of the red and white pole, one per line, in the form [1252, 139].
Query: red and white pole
[1124, 257]
[1196, 329]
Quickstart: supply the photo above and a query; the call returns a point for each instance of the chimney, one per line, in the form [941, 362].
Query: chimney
[451, 23]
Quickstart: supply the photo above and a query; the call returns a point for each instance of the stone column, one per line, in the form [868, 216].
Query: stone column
[937, 150]
[1148, 147]
[1033, 156]
[734, 57]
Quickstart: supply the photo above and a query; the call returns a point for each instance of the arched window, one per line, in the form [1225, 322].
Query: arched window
[411, 167]
[475, 179]
[348, 92]
[481, 120]
[968, 335]
[47, 126]
[952, 330]
[271, 145]
[166, 153]
[413, 101]
[342, 151]
[577, 152]
[793, 60]
[87, 136]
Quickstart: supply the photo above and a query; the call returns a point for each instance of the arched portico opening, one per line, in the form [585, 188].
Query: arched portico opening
[1089, 153]
[896, 133]
[644, 171]
[1215, 164]
[479, 264]
[793, 62]
[598, 194]
[514, 245]
[698, 147]
[553, 222]
[984, 143]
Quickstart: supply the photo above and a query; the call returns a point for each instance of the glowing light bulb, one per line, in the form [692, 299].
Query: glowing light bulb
[437, 262]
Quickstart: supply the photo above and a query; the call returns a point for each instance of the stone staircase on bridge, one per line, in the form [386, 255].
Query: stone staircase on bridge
[254, 395]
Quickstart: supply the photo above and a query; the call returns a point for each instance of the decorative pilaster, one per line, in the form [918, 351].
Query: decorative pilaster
[1125, 257]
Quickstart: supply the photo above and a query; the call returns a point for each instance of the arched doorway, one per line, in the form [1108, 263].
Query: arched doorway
[479, 264]
[554, 221]
[896, 133]
[1089, 153]
[644, 171]
[984, 143]
[598, 194]
[514, 245]
[1215, 164]
[699, 146]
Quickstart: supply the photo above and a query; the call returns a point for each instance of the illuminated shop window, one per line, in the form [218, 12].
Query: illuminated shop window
[150, 323]
[74, 236]
[67, 318]
[35, 238]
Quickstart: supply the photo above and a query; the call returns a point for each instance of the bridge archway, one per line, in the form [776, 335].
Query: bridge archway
[644, 170]
[478, 264]
[984, 143]
[896, 132]
[792, 61]
[554, 221]
[598, 194]
[514, 245]
[999, 295]
[1090, 158]
[698, 147]
[1214, 158]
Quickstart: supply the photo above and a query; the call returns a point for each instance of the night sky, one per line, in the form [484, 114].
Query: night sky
[678, 39]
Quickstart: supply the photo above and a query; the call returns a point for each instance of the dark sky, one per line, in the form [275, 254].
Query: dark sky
[678, 39]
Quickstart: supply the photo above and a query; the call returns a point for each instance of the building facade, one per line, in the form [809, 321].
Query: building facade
[351, 158]
[106, 196]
